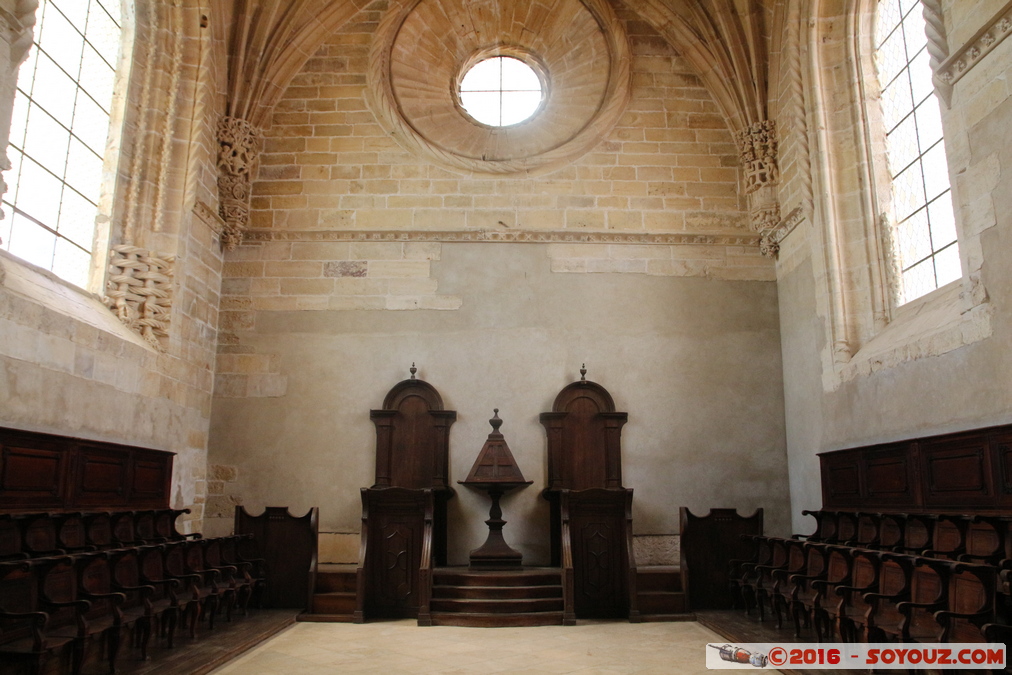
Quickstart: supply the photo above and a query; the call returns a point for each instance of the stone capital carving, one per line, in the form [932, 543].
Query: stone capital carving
[757, 144]
[239, 148]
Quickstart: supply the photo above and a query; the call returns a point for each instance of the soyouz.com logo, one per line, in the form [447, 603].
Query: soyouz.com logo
[837, 655]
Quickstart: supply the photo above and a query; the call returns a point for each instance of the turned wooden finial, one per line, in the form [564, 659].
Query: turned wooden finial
[495, 421]
[412, 370]
[583, 373]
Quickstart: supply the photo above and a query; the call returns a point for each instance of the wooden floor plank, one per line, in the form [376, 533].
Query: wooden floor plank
[209, 650]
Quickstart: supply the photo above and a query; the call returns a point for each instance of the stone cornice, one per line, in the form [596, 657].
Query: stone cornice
[962, 60]
[512, 237]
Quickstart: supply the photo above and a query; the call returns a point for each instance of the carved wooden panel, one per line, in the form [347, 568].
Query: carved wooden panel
[957, 472]
[151, 478]
[708, 544]
[889, 476]
[412, 437]
[395, 532]
[102, 477]
[1001, 447]
[584, 438]
[968, 471]
[841, 478]
[57, 472]
[32, 476]
[597, 528]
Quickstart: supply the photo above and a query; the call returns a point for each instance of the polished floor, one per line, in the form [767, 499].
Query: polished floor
[402, 647]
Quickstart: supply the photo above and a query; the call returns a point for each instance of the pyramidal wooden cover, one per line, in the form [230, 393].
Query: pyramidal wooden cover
[495, 463]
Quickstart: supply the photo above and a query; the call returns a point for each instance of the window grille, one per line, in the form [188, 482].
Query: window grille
[58, 135]
[925, 227]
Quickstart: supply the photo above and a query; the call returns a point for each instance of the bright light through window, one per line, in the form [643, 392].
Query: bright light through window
[501, 91]
[922, 202]
[58, 135]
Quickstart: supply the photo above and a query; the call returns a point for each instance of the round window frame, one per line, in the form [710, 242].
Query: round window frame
[525, 57]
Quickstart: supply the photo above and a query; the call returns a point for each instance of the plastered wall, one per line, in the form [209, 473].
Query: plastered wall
[694, 361]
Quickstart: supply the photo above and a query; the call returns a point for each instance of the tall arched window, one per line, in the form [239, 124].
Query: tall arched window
[58, 135]
[925, 229]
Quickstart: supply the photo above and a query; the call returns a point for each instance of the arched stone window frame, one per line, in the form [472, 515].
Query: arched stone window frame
[850, 238]
[159, 145]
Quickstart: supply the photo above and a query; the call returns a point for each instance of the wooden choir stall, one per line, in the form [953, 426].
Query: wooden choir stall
[591, 513]
[404, 512]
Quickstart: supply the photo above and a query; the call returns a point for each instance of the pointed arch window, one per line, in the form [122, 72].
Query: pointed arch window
[926, 250]
[59, 129]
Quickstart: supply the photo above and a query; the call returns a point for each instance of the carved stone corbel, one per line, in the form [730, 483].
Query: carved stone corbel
[758, 147]
[239, 149]
[139, 290]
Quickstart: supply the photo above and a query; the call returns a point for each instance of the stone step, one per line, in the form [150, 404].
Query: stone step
[497, 620]
[495, 592]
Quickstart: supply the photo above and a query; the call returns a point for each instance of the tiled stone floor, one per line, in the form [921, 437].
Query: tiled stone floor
[402, 647]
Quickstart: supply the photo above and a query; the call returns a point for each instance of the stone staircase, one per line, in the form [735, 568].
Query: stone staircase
[659, 594]
[529, 596]
[334, 600]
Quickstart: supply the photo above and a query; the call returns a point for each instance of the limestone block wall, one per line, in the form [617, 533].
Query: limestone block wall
[936, 365]
[669, 165]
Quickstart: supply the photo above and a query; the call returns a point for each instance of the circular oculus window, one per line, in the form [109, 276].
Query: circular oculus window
[501, 91]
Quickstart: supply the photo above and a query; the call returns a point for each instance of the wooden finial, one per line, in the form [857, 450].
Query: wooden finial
[583, 373]
[495, 421]
[412, 370]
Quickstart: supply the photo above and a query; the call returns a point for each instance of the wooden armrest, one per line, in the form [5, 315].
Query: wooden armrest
[34, 616]
[118, 598]
[946, 614]
[215, 573]
[881, 596]
[81, 605]
[840, 590]
[795, 578]
[145, 590]
[906, 606]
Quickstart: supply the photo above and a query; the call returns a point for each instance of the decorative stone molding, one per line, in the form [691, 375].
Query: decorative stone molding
[209, 217]
[771, 238]
[589, 89]
[938, 45]
[513, 237]
[239, 148]
[798, 108]
[139, 290]
[960, 62]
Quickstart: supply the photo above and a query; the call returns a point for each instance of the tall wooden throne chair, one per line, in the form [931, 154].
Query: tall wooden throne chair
[591, 513]
[404, 512]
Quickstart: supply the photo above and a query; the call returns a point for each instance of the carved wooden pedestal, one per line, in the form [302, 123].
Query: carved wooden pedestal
[496, 472]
